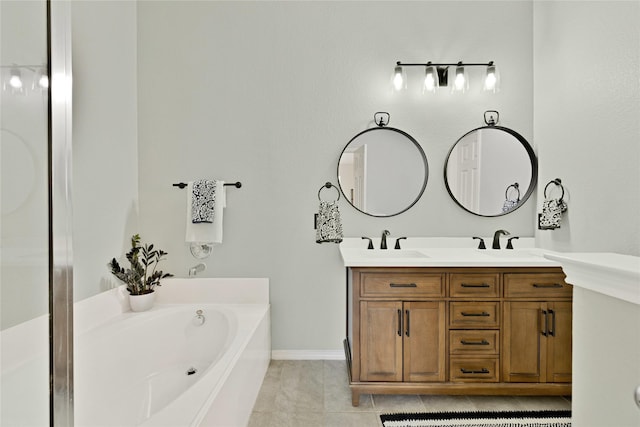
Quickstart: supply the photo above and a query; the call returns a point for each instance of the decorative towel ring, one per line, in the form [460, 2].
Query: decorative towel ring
[515, 186]
[557, 182]
[328, 185]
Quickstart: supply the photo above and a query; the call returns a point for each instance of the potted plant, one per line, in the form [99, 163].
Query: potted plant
[142, 276]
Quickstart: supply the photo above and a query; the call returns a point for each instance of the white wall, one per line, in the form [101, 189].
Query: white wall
[105, 153]
[269, 93]
[587, 121]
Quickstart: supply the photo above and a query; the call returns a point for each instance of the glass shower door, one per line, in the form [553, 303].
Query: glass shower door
[24, 227]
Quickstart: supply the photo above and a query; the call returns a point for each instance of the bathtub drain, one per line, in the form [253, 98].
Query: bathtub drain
[191, 371]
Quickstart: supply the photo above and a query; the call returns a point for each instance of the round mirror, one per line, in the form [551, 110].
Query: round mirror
[491, 171]
[382, 171]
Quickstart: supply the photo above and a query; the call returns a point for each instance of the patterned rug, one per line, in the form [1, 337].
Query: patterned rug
[479, 419]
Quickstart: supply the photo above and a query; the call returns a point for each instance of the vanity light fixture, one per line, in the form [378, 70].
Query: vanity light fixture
[437, 76]
[20, 79]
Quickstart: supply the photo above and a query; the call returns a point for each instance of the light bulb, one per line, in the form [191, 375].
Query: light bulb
[431, 82]
[492, 79]
[399, 79]
[15, 80]
[43, 81]
[460, 81]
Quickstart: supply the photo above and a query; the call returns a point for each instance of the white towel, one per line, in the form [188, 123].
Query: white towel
[205, 232]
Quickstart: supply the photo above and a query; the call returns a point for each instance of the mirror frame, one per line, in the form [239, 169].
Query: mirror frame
[420, 150]
[532, 159]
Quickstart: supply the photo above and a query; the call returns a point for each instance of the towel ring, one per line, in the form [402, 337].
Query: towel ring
[557, 182]
[516, 186]
[328, 185]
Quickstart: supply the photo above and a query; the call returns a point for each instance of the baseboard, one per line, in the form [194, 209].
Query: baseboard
[307, 355]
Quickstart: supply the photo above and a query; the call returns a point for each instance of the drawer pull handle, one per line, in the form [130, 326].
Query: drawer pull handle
[472, 285]
[547, 285]
[403, 285]
[483, 342]
[483, 314]
[475, 371]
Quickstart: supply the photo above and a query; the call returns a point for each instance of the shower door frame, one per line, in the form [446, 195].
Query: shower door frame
[60, 214]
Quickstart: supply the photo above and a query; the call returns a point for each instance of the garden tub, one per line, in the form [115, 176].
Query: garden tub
[197, 358]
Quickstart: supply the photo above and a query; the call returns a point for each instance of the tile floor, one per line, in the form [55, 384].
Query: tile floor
[315, 393]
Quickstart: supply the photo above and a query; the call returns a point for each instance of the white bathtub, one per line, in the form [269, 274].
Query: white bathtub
[131, 369]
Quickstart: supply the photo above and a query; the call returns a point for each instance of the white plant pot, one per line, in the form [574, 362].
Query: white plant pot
[142, 302]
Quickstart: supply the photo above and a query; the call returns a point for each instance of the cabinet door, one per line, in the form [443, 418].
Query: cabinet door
[559, 342]
[424, 341]
[524, 349]
[381, 340]
[537, 345]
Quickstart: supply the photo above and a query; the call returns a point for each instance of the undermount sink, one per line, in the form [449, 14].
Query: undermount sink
[392, 253]
[508, 253]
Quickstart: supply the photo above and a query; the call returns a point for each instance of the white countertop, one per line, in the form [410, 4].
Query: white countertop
[442, 252]
[610, 274]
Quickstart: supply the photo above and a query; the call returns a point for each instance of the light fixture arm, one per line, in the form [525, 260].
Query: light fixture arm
[443, 64]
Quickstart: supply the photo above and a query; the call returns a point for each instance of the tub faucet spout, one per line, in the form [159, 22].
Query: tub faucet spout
[197, 268]
[199, 319]
[496, 238]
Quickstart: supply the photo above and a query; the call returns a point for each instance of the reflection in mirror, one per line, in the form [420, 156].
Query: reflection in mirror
[382, 171]
[491, 171]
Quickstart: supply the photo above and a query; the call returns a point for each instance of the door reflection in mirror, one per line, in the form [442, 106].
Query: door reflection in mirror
[382, 171]
[483, 164]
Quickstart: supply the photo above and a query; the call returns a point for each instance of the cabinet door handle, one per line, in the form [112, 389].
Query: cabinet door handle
[399, 322]
[483, 342]
[547, 285]
[472, 285]
[552, 331]
[545, 331]
[408, 324]
[467, 314]
[403, 285]
[474, 371]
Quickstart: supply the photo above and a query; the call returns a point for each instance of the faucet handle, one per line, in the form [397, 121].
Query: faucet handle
[481, 244]
[397, 246]
[509, 244]
[370, 242]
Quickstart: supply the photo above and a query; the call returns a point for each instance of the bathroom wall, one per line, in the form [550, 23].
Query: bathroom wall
[587, 121]
[268, 93]
[105, 152]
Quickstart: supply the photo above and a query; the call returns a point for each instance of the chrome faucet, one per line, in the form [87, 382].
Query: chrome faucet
[383, 241]
[197, 268]
[496, 238]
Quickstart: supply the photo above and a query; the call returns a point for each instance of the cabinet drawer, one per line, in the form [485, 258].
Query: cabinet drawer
[474, 314]
[476, 369]
[474, 342]
[475, 285]
[541, 285]
[402, 284]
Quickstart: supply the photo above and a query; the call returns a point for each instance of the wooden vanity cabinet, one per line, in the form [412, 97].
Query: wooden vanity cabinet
[482, 331]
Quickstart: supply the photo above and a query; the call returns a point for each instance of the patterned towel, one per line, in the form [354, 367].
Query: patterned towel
[203, 201]
[551, 215]
[328, 223]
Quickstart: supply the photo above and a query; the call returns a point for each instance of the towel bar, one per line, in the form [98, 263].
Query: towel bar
[235, 184]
